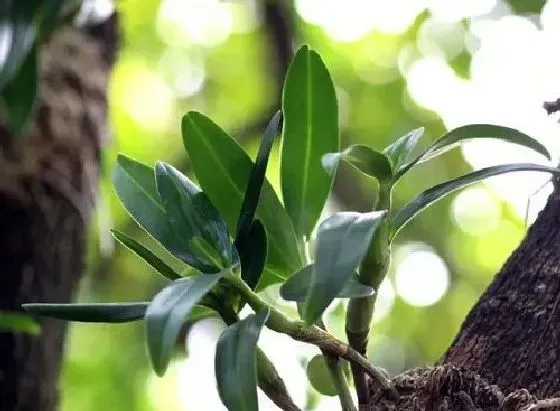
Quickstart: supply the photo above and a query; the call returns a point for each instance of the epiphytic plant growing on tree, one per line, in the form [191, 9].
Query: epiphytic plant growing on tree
[239, 238]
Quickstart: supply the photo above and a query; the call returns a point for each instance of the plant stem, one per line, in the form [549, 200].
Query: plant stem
[360, 310]
[339, 380]
[269, 380]
[312, 334]
[340, 383]
[272, 384]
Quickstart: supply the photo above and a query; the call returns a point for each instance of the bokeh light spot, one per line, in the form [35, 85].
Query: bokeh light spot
[421, 276]
[142, 94]
[476, 211]
[203, 22]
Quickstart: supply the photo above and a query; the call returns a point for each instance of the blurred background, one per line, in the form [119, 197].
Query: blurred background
[397, 65]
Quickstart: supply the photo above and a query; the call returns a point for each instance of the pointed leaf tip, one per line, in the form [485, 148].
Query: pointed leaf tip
[256, 181]
[310, 130]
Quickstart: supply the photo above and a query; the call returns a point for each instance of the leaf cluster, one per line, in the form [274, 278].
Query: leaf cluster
[239, 236]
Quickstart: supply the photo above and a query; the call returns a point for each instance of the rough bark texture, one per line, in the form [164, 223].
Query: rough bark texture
[512, 335]
[48, 181]
[506, 355]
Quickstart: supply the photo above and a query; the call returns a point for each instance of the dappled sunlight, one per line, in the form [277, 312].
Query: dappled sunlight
[184, 72]
[476, 211]
[351, 20]
[150, 105]
[203, 22]
[421, 276]
[512, 73]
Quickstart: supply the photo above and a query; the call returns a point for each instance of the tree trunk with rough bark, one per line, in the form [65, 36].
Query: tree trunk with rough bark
[506, 355]
[48, 184]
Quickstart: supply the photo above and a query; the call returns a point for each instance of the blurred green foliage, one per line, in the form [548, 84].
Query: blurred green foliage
[164, 70]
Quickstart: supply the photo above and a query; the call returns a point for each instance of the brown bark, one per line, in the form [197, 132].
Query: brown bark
[48, 180]
[512, 335]
[506, 355]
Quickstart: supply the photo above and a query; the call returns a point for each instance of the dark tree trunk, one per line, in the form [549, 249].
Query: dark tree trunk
[48, 184]
[506, 355]
[512, 335]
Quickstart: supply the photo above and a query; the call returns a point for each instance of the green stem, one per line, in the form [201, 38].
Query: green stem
[360, 310]
[311, 334]
[339, 380]
[340, 383]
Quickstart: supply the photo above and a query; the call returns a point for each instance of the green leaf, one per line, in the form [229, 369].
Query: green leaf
[342, 242]
[135, 184]
[470, 132]
[399, 150]
[363, 158]
[17, 33]
[149, 257]
[205, 242]
[256, 180]
[310, 131]
[168, 311]
[235, 363]
[90, 313]
[319, 376]
[50, 15]
[14, 322]
[223, 169]
[253, 257]
[296, 288]
[437, 192]
[19, 94]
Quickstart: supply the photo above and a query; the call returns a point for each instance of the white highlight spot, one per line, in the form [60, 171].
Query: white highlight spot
[476, 211]
[204, 22]
[421, 276]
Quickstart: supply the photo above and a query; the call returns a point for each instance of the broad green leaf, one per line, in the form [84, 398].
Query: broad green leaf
[223, 169]
[149, 257]
[168, 311]
[253, 257]
[235, 363]
[90, 313]
[205, 242]
[135, 184]
[342, 242]
[363, 158]
[19, 94]
[256, 180]
[296, 287]
[399, 150]
[470, 132]
[310, 131]
[11, 321]
[17, 33]
[437, 192]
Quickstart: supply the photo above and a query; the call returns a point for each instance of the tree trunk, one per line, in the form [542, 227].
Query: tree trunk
[512, 335]
[48, 183]
[506, 355]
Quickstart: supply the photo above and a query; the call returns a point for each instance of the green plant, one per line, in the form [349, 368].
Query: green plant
[239, 238]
